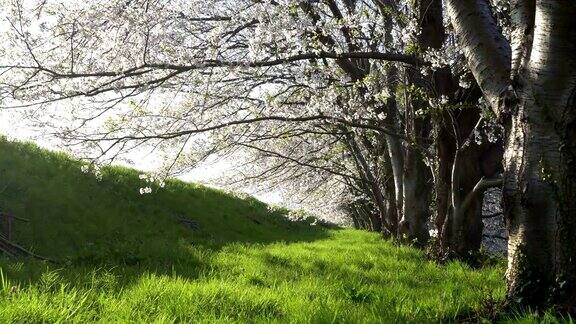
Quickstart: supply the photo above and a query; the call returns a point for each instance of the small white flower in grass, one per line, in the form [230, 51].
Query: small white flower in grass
[143, 176]
[433, 233]
[145, 190]
[97, 172]
[85, 168]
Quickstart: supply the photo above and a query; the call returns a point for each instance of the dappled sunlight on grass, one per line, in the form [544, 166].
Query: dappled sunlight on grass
[349, 276]
[121, 256]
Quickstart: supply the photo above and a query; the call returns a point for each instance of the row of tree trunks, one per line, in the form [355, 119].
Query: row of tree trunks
[414, 180]
[462, 170]
[458, 169]
[534, 94]
[409, 208]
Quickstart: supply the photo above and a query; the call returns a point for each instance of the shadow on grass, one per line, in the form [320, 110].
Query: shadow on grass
[352, 277]
[85, 221]
[187, 256]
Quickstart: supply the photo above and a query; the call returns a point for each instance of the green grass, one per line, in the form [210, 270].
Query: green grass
[348, 276]
[123, 257]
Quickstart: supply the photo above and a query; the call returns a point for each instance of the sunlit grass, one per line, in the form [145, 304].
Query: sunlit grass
[123, 257]
[350, 276]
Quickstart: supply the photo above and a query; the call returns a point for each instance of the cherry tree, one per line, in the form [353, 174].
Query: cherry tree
[527, 73]
[228, 65]
[381, 106]
[157, 73]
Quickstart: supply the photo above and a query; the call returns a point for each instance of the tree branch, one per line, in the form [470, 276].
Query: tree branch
[249, 121]
[479, 188]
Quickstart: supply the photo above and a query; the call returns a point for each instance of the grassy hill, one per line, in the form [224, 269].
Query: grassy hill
[190, 253]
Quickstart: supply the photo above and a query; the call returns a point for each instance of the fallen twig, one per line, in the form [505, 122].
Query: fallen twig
[14, 250]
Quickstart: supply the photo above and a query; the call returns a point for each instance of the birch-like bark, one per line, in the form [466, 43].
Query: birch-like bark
[539, 192]
[487, 51]
[523, 12]
[393, 143]
[540, 163]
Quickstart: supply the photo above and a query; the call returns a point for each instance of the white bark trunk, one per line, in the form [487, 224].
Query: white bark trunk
[487, 51]
[522, 33]
[539, 193]
[540, 161]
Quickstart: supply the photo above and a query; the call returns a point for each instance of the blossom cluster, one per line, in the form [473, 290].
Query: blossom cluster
[150, 180]
[92, 169]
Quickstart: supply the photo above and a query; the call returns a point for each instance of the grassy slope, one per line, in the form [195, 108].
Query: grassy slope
[124, 257]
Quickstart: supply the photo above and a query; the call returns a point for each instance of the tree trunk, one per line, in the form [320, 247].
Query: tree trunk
[463, 228]
[539, 193]
[417, 198]
[396, 158]
[540, 166]
[417, 180]
[417, 176]
[392, 213]
[445, 151]
[486, 50]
